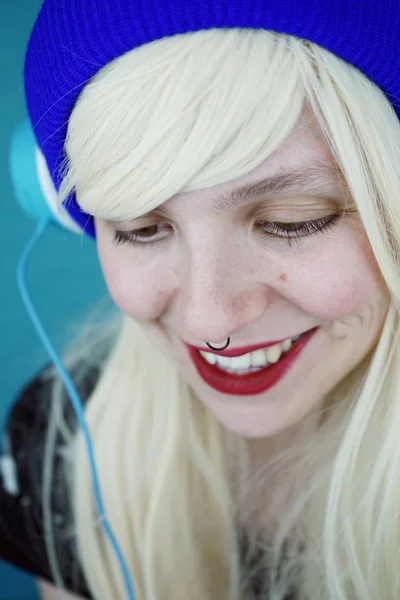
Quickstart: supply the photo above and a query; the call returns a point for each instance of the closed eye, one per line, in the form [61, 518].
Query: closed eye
[288, 231]
[299, 229]
[134, 236]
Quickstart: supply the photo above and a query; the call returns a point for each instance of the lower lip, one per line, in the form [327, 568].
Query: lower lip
[252, 383]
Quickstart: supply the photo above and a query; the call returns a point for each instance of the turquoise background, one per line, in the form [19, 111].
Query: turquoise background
[63, 276]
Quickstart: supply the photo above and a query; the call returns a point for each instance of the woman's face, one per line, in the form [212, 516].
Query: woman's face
[210, 268]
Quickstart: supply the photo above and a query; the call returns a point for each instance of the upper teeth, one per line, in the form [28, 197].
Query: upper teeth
[257, 358]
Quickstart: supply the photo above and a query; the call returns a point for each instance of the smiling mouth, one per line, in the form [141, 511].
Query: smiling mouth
[256, 373]
[250, 362]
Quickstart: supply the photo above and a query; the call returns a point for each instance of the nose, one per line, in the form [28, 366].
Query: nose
[215, 303]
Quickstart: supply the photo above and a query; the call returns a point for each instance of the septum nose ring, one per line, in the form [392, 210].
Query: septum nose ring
[219, 349]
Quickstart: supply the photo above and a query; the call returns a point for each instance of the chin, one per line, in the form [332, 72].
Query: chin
[250, 422]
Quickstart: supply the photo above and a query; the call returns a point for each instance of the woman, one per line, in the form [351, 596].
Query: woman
[242, 186]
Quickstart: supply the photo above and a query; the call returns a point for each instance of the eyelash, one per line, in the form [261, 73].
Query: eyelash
[288, 231]
[294, 231]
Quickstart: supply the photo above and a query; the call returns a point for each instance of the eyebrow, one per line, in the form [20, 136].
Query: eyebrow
[312, 180]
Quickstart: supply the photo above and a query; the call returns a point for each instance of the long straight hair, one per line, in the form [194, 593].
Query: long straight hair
[186, 113]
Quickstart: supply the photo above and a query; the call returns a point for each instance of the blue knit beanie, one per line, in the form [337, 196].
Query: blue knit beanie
[73, 39]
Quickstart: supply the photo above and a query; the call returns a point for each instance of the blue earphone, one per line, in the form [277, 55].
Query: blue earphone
[36, 194]
[33, 186]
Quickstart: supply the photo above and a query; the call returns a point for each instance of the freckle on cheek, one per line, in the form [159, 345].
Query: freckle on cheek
[283, 277]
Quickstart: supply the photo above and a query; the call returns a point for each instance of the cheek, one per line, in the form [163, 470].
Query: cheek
[132, 286]
[339, 278]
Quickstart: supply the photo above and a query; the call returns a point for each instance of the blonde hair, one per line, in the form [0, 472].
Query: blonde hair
[181, 114]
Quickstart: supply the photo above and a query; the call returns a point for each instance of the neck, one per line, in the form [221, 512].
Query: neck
[269, 477]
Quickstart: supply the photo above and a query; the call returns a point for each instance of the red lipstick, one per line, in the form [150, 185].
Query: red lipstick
[250, 383]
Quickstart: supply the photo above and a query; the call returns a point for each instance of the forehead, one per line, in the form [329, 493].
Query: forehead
[302, 164]
[304, 147]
